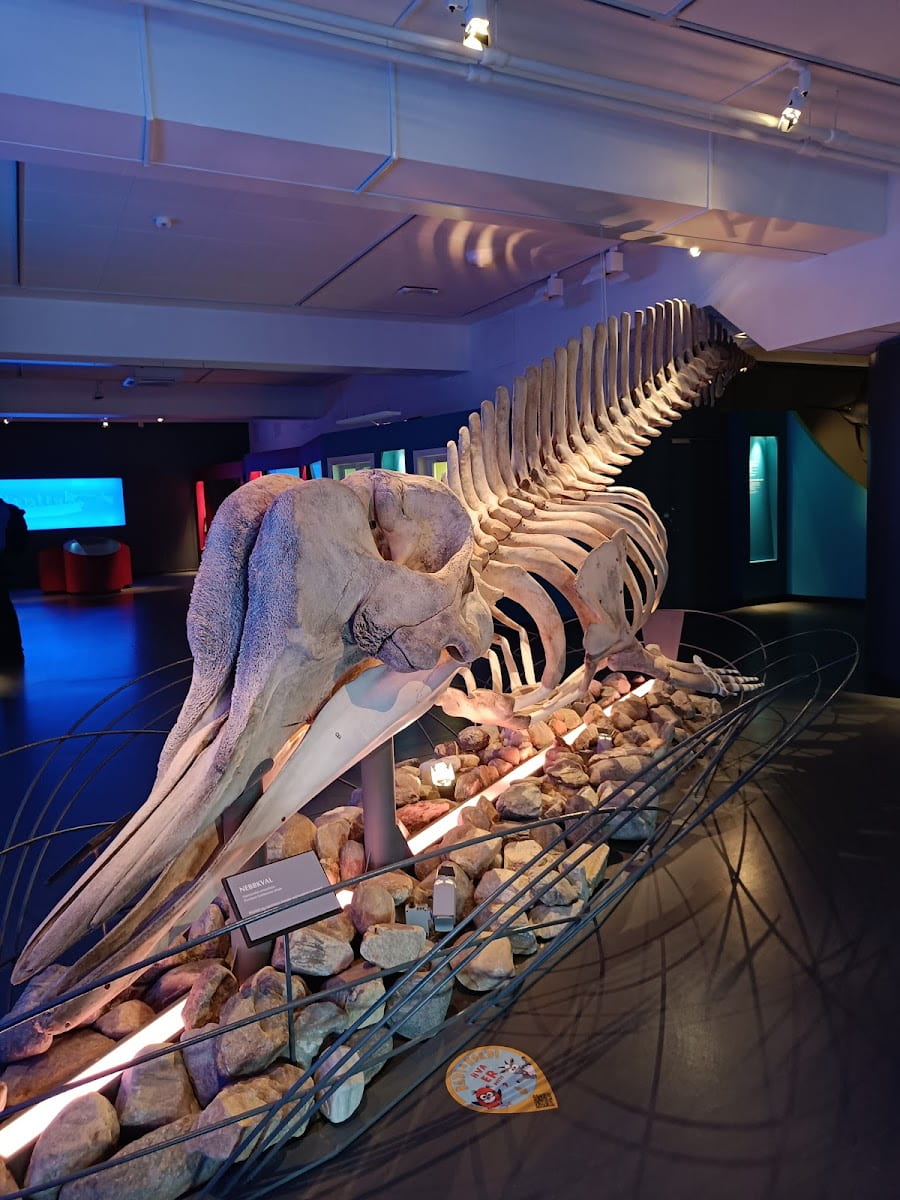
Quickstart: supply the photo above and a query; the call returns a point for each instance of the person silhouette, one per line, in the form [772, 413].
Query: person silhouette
[13, 542]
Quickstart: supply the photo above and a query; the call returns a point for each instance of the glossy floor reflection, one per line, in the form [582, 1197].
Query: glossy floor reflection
[730, 1033]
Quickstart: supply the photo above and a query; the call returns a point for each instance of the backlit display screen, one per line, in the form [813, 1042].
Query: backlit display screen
[67, 503]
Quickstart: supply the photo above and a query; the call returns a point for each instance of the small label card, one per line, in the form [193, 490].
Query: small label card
[258, 891]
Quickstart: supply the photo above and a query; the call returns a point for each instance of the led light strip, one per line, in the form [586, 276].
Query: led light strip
[30, 1124]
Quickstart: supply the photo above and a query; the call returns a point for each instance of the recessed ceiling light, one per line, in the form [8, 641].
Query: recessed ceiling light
[105, 424]
[695, 251]
[159, 420]
[6, 420]
[163, 222]
[410, 289]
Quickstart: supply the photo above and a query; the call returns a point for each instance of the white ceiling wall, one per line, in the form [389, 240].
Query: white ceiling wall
[315, 161]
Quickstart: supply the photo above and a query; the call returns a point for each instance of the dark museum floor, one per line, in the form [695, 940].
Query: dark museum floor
[730, 1032]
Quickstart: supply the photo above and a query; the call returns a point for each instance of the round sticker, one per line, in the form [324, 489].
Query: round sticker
[498, 1079]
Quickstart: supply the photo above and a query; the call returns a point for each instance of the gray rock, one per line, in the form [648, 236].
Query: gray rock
[313, 1024]
[517, 928]
[568, 773]
[124, 1019]
[234, 1101]
[550, 922]
[556, 890]
[371, 1064]
[155, 1093]
[29, 1040]
[422, 1014]
[248, 1050]
[84, 1133]
[176, 982]
[296, 835]
[393, 945]
[69, 1054]
[492, 886]
[488, 968]
[359, 993]
[209, 992]
[344, 1089]
[521, 801]
[371, 905]
[164, 1175]
[200, 1063]
[286, 1077]
[314, 951]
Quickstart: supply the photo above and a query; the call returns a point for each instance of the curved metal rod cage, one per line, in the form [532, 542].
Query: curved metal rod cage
[672, 798]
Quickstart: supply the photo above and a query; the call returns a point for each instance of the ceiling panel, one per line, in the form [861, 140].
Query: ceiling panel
[432, 253]
[863, 34]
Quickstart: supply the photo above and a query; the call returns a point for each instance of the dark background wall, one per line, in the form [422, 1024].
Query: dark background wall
[157, 464]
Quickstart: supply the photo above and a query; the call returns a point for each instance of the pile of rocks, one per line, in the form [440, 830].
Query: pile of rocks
[342, 966]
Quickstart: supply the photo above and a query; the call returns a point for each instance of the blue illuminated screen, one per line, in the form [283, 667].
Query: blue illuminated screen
[67, 503]
[295, 471]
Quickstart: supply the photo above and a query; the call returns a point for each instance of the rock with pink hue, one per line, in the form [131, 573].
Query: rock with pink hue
[352, 860]
[351, 813]
[423, 812]
[313, 951]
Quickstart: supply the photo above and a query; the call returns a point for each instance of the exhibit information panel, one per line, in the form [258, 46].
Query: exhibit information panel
[763, 484]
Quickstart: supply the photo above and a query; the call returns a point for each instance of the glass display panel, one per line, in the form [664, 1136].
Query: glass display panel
[340, 468]
[393, 460]
[763, 485]
[432, 462]
[294, 471]
[67, 503]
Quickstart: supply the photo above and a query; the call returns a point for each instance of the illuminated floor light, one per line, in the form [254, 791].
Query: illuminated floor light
[29, 1125]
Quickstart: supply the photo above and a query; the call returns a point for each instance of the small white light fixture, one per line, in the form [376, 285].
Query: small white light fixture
[695, 251]
[159, 420]
[478, 25]
[442, 775]
[554, 288]
[163, 222]
[791, 112]
[6, 420]
[105, 423]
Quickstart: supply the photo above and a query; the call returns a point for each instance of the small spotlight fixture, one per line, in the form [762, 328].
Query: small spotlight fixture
[6, 420]
[478, 33]
[159, 420]
[105, 423]
[695, 251]
[791, 112]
